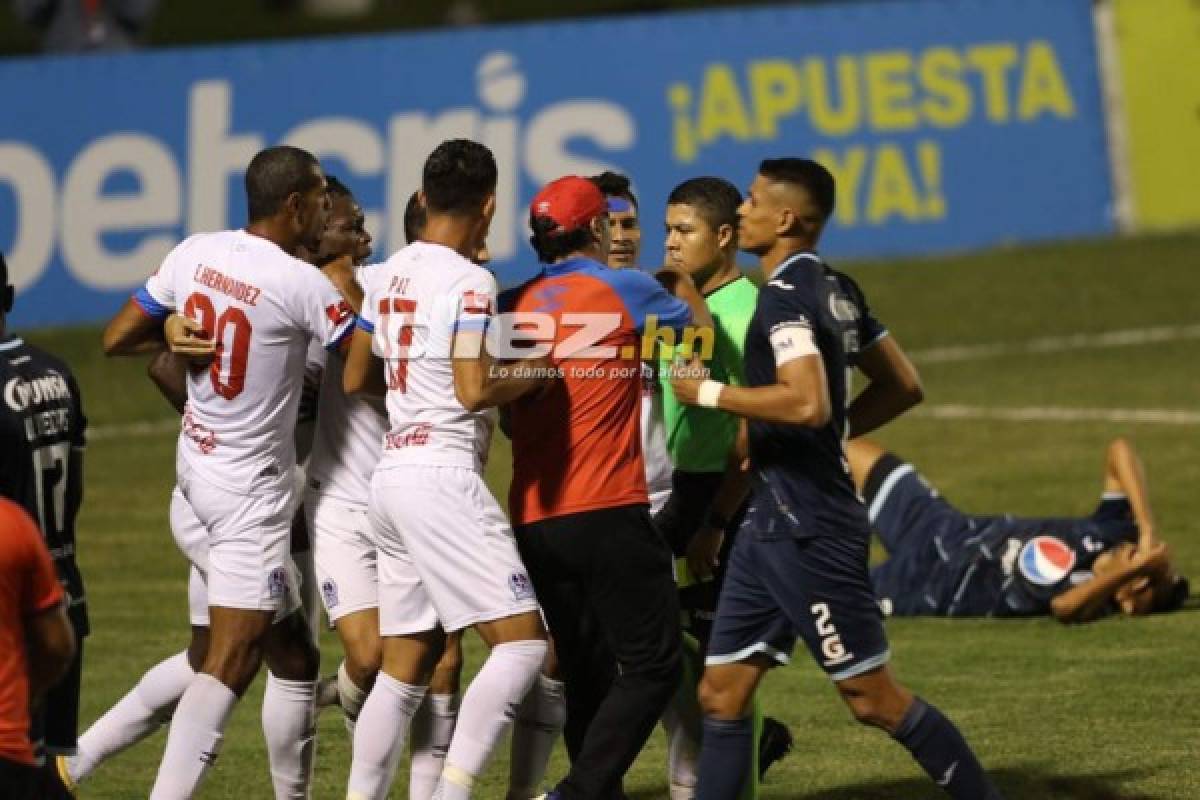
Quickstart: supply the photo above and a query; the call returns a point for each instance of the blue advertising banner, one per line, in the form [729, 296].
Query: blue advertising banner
[949, 125]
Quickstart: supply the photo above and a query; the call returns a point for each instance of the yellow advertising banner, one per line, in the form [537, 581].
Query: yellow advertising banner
[1159, 53]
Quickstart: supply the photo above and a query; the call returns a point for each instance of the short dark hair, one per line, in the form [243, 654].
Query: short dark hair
[614, 184]
[414, 218]
[336, 188]
[551, 244]
[1174, 598]
[273, 175]
[715, 199]
[807, 174]
[458, 176]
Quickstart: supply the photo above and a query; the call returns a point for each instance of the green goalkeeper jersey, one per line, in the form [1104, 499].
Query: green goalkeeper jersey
[699, 439]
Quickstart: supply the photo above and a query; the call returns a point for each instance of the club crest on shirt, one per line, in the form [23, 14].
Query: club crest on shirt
[329, 591]
[1045, 560]
[277, 584]
[522, 589]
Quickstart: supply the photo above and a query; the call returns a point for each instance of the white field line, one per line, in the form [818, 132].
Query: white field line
[1049, 344]
[133, 429]
[1058, 344]
[1152, 416]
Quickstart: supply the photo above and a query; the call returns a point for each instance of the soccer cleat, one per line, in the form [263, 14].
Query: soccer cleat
[56, 780]
[774, 743]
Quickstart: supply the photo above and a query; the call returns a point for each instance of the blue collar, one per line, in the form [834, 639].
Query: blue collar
[580, 264]
[792, 259]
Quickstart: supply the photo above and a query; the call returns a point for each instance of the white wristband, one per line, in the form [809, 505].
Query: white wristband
[709, 393]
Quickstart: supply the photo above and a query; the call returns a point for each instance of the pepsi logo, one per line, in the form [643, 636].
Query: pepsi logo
[1045, 560]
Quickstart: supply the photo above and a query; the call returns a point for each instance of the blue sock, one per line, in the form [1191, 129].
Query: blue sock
[943, 753]
[726, 750]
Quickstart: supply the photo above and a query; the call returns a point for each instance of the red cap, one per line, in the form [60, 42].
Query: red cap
[572, 202]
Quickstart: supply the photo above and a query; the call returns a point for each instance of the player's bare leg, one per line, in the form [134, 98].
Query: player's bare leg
[362, 651]
[383, 725]
[518, 651]
[536, 729]
[433, 727]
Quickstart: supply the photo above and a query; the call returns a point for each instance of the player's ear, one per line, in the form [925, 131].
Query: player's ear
[726, 234]
[786, 222]
[294, 204]
[489, 206]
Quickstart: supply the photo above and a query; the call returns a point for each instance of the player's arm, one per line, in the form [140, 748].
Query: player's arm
[363, 373]
[133, 332]
[51, 646]
[340, 273]
[1089, 600]
[168, 372]
[481, 383]
[893, 387]
[799, 396]
[681, 285]
[705, 545]
[1124, 473]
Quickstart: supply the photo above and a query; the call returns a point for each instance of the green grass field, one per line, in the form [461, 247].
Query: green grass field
[1103, 711]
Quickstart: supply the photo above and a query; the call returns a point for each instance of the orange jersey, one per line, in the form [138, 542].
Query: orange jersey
[28, 585]
[577, 446]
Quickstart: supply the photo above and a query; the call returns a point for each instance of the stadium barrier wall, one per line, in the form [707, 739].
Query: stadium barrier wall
[950, 126]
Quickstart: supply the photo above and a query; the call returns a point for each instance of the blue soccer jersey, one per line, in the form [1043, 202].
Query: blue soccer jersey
[803, 470]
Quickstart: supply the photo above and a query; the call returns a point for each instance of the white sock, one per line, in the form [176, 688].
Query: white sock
[379, 736]
[488, 709]
[683, 752]
[350, 698]
[432, 729]
[539, 723]
[288, 710]
[143, 710]
[195, 738]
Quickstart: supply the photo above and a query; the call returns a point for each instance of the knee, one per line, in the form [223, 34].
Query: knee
[876, 709]
[721, 700]
[364, 656]
[234, 664]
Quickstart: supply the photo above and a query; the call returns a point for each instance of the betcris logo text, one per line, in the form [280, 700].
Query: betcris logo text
[947, 126]
[102, 219]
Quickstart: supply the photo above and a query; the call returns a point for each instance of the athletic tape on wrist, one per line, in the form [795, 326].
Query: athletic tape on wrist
[709, 393]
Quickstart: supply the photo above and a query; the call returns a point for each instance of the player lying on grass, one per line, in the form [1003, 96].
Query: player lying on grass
[943, 562]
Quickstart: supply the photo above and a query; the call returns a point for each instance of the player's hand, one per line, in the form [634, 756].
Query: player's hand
[541, 368]
[686, 377]
[703, 551]
[670, 277]
[188, 339]
[339, 271]
[1154, 559]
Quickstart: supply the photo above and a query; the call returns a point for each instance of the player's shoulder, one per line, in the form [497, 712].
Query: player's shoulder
[41, 360]
[846, 284]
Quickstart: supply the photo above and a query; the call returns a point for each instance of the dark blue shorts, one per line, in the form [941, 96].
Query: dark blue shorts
[778, 586]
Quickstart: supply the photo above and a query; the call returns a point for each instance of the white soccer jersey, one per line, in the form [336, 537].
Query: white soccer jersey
[262, 306]
[350, 432]
[414, 305]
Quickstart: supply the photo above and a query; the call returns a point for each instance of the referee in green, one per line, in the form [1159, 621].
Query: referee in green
[708, 487]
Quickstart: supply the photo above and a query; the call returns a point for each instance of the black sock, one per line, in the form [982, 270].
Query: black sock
[725, 753]
[943, 753]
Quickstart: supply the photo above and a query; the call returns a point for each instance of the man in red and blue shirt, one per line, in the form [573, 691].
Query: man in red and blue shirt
[578, 499]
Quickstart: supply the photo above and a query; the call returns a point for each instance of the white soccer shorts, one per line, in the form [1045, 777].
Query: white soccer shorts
[248, 537]
[446, 552]
[344, 552]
